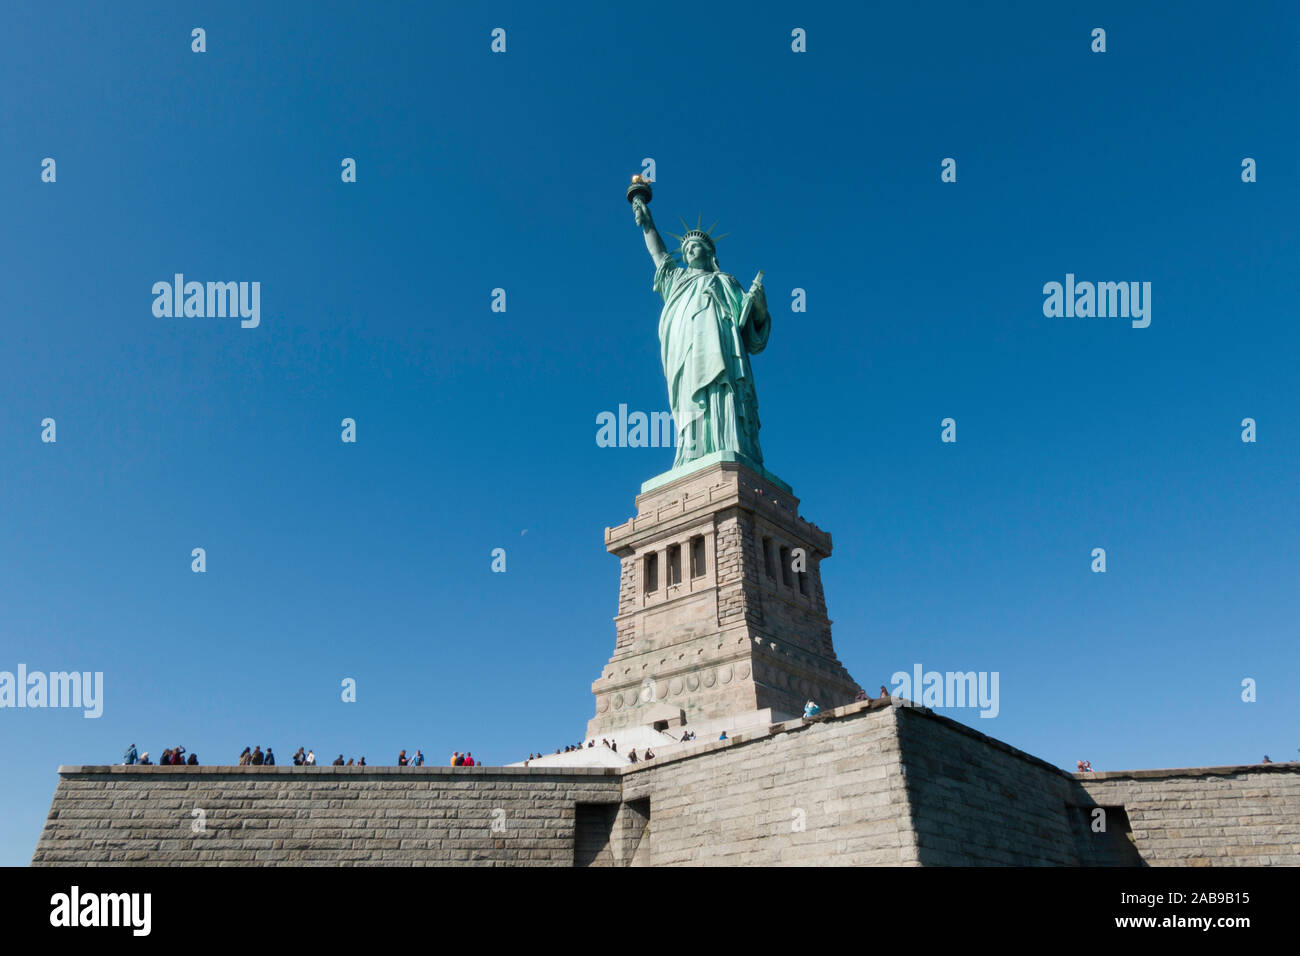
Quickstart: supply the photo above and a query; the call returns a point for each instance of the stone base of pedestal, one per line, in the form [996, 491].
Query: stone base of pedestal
[721, 609]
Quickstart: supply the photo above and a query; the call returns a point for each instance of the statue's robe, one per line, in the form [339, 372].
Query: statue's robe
[706, 361]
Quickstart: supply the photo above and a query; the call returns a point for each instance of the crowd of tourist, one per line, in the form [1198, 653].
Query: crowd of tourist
[175, 757]
[257, 757]
[686, 737]
[570, 748]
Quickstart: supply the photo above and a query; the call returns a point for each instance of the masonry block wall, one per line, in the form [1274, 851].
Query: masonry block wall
[1208, 816]
[828, 792]
[870, 784]
[978, 801]
[261, 816]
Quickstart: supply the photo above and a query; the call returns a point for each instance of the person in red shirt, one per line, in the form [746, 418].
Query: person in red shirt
[469, 761]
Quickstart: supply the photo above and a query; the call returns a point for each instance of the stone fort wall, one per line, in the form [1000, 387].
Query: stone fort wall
[255, 816]
[867, 784]
[1211, 816]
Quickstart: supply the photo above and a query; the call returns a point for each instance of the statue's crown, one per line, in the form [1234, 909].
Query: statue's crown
[703, 235]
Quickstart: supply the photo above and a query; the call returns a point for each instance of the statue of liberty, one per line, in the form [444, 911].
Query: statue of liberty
[708, 328]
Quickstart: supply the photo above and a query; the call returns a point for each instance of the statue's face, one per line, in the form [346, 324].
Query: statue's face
[696, 254]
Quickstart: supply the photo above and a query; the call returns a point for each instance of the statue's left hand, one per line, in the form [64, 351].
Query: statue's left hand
[757, 293]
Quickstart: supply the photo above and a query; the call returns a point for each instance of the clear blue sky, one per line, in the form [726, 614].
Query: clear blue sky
[478, 171]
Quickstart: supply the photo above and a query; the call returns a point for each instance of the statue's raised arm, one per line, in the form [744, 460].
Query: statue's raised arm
[654, 243]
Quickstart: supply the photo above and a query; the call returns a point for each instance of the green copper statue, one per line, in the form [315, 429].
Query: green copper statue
[708, 328]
